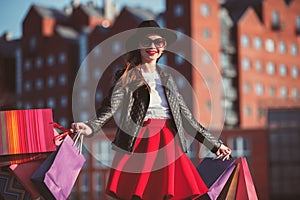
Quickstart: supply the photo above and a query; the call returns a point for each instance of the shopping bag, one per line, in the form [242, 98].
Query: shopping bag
[245, 188]
[24, 134]
[23, 172]
[10, 188]
[216, 188]
[210, 169]
[57, 175]
[229, 190]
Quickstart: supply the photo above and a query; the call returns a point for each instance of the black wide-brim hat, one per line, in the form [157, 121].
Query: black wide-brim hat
[149, 27]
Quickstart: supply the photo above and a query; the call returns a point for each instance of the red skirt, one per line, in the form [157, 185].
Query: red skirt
[157, 170]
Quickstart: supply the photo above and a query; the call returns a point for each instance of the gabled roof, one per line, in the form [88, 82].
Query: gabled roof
[51, 13]
[66, 32]
[236, 8]
[91, 11]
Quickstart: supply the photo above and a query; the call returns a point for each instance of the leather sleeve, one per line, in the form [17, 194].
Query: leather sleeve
[109, 106]
[195, 129]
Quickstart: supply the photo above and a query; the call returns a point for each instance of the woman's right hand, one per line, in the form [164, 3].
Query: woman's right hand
[80, 126]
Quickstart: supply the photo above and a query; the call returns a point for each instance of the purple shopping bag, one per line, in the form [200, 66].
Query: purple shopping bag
[57, 175]
[215, 190]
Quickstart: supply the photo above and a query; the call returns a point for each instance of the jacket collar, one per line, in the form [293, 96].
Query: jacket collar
[163, 75]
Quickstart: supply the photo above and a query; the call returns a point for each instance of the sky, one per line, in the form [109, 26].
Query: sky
[13, 12]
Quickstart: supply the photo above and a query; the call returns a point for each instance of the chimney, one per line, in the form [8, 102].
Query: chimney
[75, 3]
[109, 9]
[68, 10]
[90, 4]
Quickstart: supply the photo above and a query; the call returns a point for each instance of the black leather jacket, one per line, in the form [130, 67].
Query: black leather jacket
[132, 102]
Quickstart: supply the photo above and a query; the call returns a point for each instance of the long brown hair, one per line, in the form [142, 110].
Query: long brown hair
[133, 62]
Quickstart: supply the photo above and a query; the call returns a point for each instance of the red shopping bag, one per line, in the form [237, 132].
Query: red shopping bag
[230, 184]
[25, 134]
[22, 172]
[245, 188]
[10, 188]
[56, 177]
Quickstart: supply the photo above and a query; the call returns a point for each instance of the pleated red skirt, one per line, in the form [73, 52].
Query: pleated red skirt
[157, 170]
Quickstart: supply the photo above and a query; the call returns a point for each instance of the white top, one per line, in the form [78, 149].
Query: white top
[158, 106]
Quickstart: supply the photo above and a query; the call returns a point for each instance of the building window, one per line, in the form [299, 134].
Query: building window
[178, 10]
[272, 91]
[205, 10]
[281, 47]
[180, 33]
[206, 34]
[179, 60]
[208, 106]
[294, 72]
[284, 163]
[257, 43]
[282, 70]
[260, 112]
[99, 96]
[259, 89]
[27, 86]
[27, 105]
[63, 122]
[85, 182]
[116, 47]
[62, 58]
[248, 111]
[64, 101]
[245, 41]
[50, 60]
[97, 51]
[295, 93]
[246, 64]
[180, 81]
[240, 147]
[247, 87]
[269, 45]
[298, 24]
[98, 186]
[270, 68]
[27, 65]
[258, 65]
[32, 43]
[102, 152]
[283, 92]
[50, 81]
[62, 79]
[38, 62]
[294, 49]
[39, 84]
[275, 20]
[206, 58]
[51, 102]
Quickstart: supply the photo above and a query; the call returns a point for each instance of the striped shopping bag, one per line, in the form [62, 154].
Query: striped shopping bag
[25, 135]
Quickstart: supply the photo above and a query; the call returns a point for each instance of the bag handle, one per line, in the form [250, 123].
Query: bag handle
[63, 134]
[76, 138]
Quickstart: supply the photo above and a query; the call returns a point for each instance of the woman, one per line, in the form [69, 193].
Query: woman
[150, 160]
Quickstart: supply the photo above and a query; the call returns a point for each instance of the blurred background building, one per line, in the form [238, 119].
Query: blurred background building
[254, 44]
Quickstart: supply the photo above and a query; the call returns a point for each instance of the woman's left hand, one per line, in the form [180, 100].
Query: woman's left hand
[223, 152]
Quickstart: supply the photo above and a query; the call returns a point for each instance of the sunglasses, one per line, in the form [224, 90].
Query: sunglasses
[158, 43]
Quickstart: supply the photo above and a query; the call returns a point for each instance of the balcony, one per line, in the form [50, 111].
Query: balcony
[231, 118]
[229, 72]
[230, 94]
